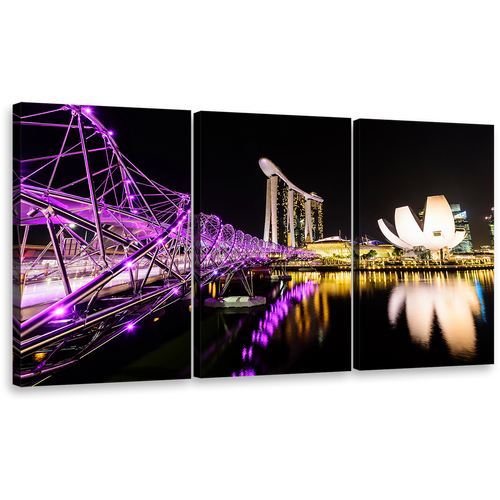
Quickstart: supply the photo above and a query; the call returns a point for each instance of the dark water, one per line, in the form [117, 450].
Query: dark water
[303, 328]
[423, 319]
[406, 320]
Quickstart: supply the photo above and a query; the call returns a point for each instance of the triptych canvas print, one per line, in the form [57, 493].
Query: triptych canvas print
[276, 249]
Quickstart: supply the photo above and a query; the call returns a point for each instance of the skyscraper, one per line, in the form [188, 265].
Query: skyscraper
[460, 217]
[491, 227]
[461, 222]
[293, 217]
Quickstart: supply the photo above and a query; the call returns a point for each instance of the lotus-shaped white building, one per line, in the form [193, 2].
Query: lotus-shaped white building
[437, 230]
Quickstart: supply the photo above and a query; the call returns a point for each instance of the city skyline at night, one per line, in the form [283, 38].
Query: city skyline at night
[403, 163]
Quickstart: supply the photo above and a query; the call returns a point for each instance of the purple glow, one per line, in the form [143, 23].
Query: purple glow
[223, 248]
[249, 372]
[244, 353]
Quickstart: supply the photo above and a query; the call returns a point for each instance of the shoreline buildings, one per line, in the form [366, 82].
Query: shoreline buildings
[461, 221]
[491, 227]
[293, 217]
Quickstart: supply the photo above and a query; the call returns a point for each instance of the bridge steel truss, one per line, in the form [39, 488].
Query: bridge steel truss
[130, 242]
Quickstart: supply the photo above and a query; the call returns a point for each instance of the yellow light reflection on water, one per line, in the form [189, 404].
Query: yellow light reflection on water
[451, 298]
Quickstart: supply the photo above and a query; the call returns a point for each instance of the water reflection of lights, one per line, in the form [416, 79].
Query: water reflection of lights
[272, 319]
[454, 300]
[300, 315]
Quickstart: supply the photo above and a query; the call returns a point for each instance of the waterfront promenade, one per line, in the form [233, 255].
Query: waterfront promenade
[395, 267]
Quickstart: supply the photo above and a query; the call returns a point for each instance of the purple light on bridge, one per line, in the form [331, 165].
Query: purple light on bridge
[222, 248]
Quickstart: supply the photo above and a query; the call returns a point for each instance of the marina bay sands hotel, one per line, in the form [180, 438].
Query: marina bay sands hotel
[293, 217]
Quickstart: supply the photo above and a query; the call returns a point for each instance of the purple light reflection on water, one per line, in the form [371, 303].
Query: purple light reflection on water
[245, 372]
[272, 319]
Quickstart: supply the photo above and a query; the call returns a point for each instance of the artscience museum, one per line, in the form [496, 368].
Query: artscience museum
[435, 232]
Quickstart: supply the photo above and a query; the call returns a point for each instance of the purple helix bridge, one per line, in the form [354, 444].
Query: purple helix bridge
[100, 246]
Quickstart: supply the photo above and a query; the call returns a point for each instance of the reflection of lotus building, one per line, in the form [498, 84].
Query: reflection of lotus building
[455, 303]
[436, 231]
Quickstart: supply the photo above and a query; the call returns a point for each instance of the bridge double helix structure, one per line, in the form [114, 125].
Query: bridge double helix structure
[99, 246]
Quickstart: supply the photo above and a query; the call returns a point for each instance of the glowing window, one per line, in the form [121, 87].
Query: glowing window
[436, 233]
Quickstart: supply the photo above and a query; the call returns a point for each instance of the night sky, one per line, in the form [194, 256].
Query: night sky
[313, 152]
[401, 163]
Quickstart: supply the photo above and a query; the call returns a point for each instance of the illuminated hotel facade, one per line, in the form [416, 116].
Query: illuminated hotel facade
[293, 217]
